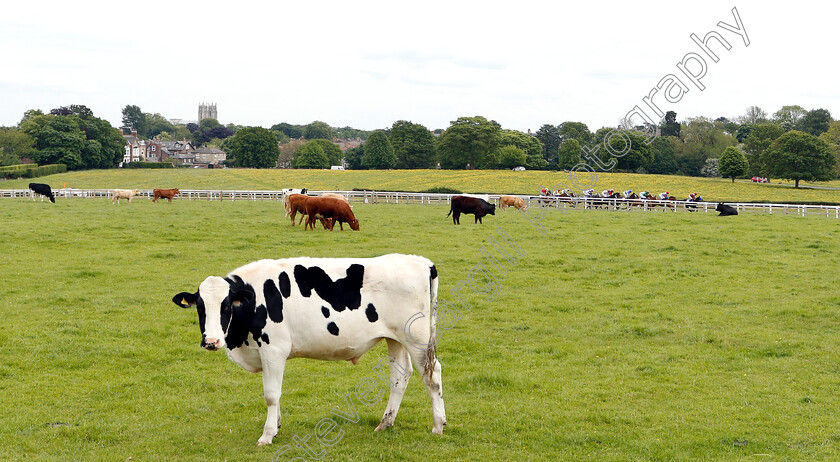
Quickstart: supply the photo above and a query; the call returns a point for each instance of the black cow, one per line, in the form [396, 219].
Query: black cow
[725, 210]
[471, 205]
[42, 190]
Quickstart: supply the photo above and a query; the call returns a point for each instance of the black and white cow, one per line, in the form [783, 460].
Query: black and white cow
[42, 190]
[324, 308]
[725, 210]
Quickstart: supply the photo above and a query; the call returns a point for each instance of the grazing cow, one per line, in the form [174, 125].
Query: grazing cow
[332, 210]
[512, 201]
[124, 194]
[297, 203]
[471, 205]
[165, 194]
[725, 210]
[325, 308]
[42, 190]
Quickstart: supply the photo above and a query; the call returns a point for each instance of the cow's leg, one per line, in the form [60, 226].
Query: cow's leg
[274, 364]
[400, 363]
[292, 214]
[429, 368]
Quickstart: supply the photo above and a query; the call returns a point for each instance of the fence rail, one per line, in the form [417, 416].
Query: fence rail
[379, 197]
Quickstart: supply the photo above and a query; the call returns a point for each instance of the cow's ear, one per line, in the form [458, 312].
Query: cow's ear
[241, 297]
[185, 299]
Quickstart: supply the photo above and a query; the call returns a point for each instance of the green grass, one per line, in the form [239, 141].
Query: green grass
[468, 181]
[617, 336]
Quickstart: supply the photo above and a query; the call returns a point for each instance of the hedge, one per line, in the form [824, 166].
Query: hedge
[148, 165]
[14, 168]
[34, 171]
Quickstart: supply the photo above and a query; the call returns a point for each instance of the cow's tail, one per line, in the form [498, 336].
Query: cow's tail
[431, 351]
[287, 206]
[450, 212]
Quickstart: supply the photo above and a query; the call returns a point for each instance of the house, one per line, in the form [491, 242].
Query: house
[135, 148]
[179, 151]
[208, 156]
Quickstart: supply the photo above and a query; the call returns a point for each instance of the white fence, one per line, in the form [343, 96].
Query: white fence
[380, 197]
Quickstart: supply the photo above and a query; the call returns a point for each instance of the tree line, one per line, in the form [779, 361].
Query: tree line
[792, 143]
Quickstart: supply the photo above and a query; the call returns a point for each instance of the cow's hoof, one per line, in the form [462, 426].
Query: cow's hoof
[383, 426]
[260, 443]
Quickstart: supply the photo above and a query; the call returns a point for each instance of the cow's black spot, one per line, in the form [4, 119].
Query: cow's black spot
[242, 318]
[371, 313]
[332, 328]
[264, 338]
[273, 301]
[433, 272]
[325, 311]
[285, 284]
[340, 294]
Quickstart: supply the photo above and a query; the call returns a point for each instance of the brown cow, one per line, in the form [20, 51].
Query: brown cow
[333, 210]
[297, 203]
[512, 201]
[165, 194]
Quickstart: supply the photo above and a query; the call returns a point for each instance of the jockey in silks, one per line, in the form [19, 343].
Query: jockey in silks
[694, 197]
[543, 192]
[565, 192]
[627, 193]
[607, 192]
[664, 196]
[588, 193]
[645, 195]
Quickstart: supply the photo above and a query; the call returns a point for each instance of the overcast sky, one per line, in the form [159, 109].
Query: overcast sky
[367, 64]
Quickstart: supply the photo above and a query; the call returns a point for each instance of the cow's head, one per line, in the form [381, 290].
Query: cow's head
[177, 191]
[217, 301]
[354, 224]
[492, 209]
[719, 207]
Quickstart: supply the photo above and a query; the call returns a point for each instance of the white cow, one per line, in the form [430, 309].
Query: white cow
[124, 194]
[335, 196]
[325, 308]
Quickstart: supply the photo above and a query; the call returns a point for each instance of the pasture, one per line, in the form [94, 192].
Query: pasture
[615, 336]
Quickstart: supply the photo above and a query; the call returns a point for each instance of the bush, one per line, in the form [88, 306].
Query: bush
[13, 171]
[442, 190]
[33, 171]
[148, 165]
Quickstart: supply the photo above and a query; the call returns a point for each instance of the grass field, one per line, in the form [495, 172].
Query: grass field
[474, 181]
[616, 336]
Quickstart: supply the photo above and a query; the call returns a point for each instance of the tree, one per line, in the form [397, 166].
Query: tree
[510, 156]
[61, 141]
[378, 152]
[789, 116]
[627, 147]
[568, 155]
[664, 162]
[414, 145]
[815, 122]
[550, 137]
[292, 131]
[752, 116]
[732, 163]
[575, 130]
[318, 130]
[311, 155]
[156, 124]
[759, 139]
[832, 137]
[133, 118]
[254, 147]
[532, 147]
[799, 156]
[470, 141]
[670, 126]
[703, 139]
[353, 157]
[332, 151]
[15, 145]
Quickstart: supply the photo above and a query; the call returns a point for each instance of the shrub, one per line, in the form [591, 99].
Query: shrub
[149, 165]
